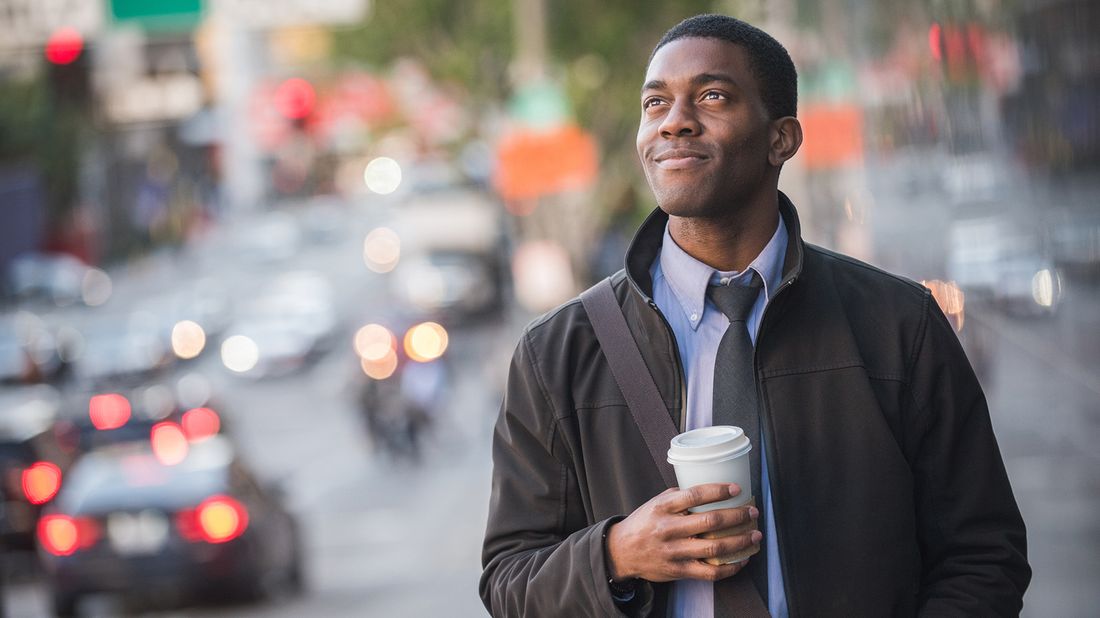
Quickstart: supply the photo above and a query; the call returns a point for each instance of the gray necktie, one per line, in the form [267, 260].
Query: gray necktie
[735, 400]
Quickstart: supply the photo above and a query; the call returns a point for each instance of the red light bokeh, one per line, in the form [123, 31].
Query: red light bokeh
[200, 424]
[64, 46]
[109, 411]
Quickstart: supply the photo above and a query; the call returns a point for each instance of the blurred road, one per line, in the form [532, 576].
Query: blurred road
[381, 538]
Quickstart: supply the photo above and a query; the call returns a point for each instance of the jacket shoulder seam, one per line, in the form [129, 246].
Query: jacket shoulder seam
[541, 382]
[918, 344]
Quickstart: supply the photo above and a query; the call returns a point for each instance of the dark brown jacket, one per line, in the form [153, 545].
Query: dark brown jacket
[890, 495]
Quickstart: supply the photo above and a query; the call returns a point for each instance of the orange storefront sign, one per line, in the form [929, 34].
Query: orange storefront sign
[832, 135]
[533, 163]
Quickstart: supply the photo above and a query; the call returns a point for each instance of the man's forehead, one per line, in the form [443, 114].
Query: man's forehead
[690, 56]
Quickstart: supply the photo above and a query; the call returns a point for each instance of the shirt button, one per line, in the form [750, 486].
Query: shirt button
[724, 281]
[694, 317]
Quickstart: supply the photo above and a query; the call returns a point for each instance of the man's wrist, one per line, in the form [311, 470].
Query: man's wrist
[614, 569]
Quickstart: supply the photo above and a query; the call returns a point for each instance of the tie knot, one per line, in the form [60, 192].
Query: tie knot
[736, 301]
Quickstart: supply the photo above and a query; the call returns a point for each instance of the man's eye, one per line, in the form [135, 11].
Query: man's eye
[712, 95]
[648, 103]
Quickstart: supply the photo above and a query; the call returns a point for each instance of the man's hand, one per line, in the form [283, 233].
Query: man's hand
[657, 542]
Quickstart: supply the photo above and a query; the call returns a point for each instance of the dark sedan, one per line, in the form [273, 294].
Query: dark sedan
[171, 521]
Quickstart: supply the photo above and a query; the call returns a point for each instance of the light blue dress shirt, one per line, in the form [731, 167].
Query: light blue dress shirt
[679, 289]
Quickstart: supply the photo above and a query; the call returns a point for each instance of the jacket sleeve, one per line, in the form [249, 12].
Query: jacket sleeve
[532, 564]
[972, 538]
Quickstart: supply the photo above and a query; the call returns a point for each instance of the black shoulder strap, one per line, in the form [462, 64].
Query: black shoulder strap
[631, 374]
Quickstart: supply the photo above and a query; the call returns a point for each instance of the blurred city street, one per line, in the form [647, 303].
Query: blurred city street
[263, 264]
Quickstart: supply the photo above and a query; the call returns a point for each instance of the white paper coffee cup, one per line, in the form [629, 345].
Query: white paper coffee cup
[715, 454]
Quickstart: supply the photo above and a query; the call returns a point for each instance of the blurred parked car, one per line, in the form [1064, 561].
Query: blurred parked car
[1075, 246]
[33, 460]
[126, 523]
[455, 285]
[28, 350]
[451, 262]
[121, 349]
[290, 325]
[996, 262]
[59, 278]
[203, 303]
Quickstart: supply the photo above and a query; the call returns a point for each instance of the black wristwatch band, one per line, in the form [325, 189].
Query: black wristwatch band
[623, 588]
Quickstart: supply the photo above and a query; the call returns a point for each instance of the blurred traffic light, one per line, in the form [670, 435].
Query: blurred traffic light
[64, 46]
[295, 99]
[68, 68]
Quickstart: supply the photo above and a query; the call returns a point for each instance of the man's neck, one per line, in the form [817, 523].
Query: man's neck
[727, 243]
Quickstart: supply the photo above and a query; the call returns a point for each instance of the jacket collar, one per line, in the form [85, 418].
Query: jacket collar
[646, 246]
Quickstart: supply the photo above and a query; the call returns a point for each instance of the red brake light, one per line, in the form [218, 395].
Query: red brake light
[109, 411]
[217, 520]
[200, 424]
[62, 535]
[41, 481]
[169, 443]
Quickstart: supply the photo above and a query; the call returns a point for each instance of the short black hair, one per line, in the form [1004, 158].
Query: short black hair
[769, 61]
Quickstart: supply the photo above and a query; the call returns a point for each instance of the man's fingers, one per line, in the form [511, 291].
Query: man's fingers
[682, 500]
[702, 549]
[711, 521]
[693, 569]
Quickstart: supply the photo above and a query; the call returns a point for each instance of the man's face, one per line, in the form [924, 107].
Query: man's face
[704, 133]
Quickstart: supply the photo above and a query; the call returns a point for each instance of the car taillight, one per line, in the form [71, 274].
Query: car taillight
[216, 520]
[169, 443]
[109, 411]
[41, 482]
[200, 424]
[62, 535]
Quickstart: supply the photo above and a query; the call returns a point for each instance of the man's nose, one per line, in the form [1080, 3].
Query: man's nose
[680, 121]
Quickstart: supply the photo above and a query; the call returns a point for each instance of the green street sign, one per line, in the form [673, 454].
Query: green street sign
[158, 15]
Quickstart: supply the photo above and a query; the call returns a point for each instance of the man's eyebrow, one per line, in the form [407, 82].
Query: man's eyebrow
[698, 80]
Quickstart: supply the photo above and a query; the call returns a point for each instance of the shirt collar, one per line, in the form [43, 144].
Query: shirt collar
[688, 277]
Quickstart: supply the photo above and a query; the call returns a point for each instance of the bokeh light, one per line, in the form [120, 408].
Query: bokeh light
[108, 411]
[1044, 288]
[188, 339]
[383, 175]
[221, 519]
[951, 300]
[64, 46]
[381, 250]
[95, 288]
[240, 354]
[426, 342]
[382, 368]
[374, 341]
[58, 534]
[169, 443]
[543, 275]
[295, 98]
[41, 482]
[200, 423]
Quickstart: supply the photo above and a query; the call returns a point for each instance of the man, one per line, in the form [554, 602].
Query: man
[883, 491]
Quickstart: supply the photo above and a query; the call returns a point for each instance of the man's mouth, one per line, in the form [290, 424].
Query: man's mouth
[679, 158]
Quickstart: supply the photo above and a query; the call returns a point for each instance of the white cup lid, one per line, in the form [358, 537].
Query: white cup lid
[708, 444]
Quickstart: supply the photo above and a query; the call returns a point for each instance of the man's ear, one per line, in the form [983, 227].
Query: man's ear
[786, 138]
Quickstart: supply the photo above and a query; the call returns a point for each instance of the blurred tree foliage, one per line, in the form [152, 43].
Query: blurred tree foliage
[37, 132]
[597, 50]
